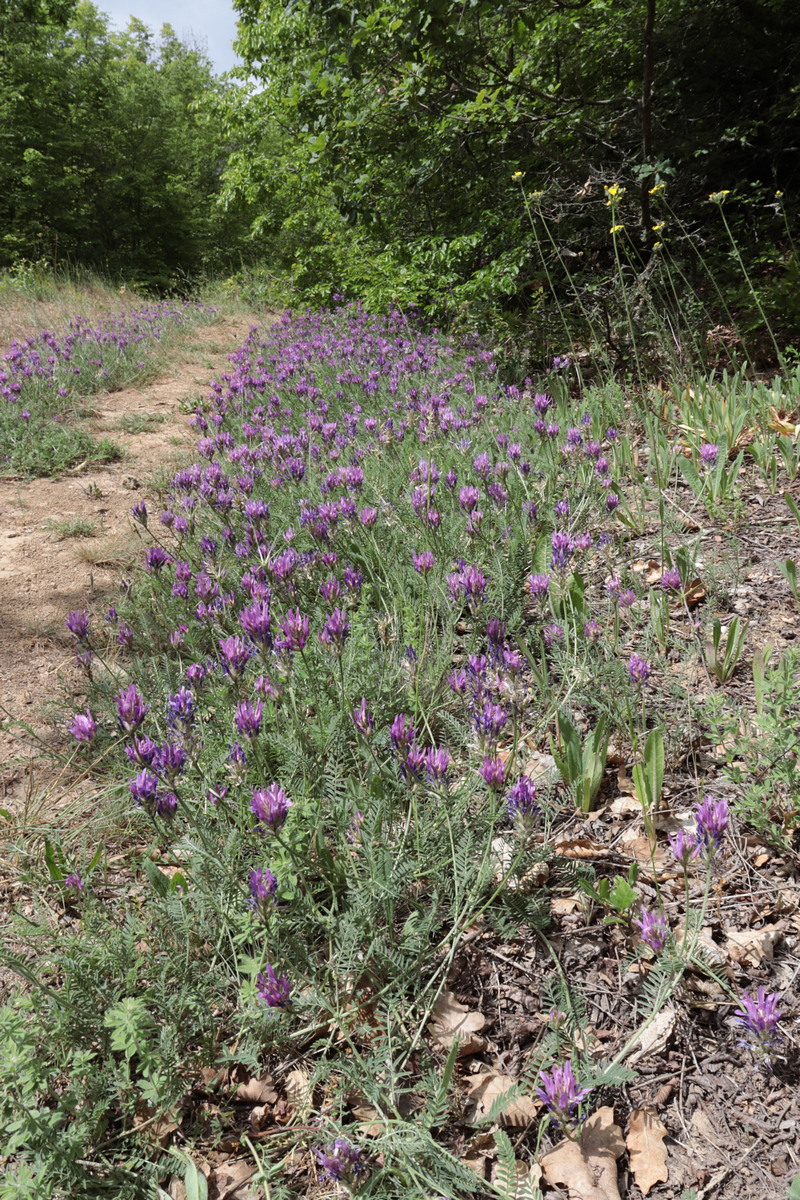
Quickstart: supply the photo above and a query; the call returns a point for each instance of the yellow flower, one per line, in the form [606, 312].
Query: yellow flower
[657, 245]
[778, 195]
[518, 175]
[617, 228]
[657, 228]
[718, 197]
[535, 195]
[658, 188]
[614, 194]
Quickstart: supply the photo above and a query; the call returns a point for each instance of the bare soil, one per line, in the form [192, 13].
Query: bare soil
[44, 575]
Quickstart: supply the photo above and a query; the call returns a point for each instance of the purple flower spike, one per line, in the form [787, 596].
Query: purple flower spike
[712, 823]
[234, 654]
[144, 788]
[560, 1094]
[78, 624]
[670, 581]
[335, 630]
[131, 710]
[248, 718]
[271, 806]
[493, 772]
[708, 453]
[362, 718]
[423, 562]
[295, 626]
[273, 989]
[638, 669]
[263, 886]
[684, 846]
[760, 1016]
[83, 726]
[340, 1161]
[521, 803]
[74, 885]
[562, 546]
[652, 929]
[539, 586]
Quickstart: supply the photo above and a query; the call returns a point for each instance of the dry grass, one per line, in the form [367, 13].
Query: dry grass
[30, 306]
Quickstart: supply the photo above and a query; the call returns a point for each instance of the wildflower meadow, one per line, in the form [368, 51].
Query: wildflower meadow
[448, 805]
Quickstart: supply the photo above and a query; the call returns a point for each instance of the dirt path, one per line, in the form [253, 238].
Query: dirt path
[44, 574]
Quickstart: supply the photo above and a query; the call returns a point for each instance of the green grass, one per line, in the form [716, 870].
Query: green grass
[71, 527]
[140, 422]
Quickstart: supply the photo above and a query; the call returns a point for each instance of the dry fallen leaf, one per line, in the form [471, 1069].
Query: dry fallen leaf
[645, 1142]
[588, 1166]
[229, 1181]
[694, 593]
[298, 1092]
[484, 1089]
[655, 1036]
[451, 1020]
[749, 946]
[581, 848]
[257, 1091]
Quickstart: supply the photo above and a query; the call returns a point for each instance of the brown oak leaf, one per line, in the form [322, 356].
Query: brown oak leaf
[588, 1167]
[645, 1142]
[451, 1020]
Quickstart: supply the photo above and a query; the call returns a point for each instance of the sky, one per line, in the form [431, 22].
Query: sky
[210, 24]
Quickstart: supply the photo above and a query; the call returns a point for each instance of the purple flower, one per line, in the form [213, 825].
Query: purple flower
[423, 562]
[263, 886]
[652, 929]
[683, 846]
[362, 719]
[131, 710]
[340, 1160]
[560, 1094]
[248, 718]
[612, 501]
[552, 633]
[561, 364]
[401, 732]
[562, 546]
[670, 581]
[493, 772]
[180, 707]
[274, 990]
[257, 622]
[139, 513]
[295, 626]
[270, 806]
[708, 453]
[521, 803]
[78, 624]
[83, 726]
[712, 823]
[760, 1016]
[437, 763]
[74, 885]
[169, 761]
[638, 669]
[591, 630]
[335, 630]
[155, 559]
[539, 586]
[234, 654]
[166, 804]
[144, 788]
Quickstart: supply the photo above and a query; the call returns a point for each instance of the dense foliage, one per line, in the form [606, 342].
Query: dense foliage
[105, 154]
[383, 143]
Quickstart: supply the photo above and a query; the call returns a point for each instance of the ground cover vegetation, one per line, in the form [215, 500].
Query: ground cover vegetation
[361, 703]
[47, 380]
[444, 739]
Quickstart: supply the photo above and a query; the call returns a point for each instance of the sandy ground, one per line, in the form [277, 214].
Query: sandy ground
[44, 575]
